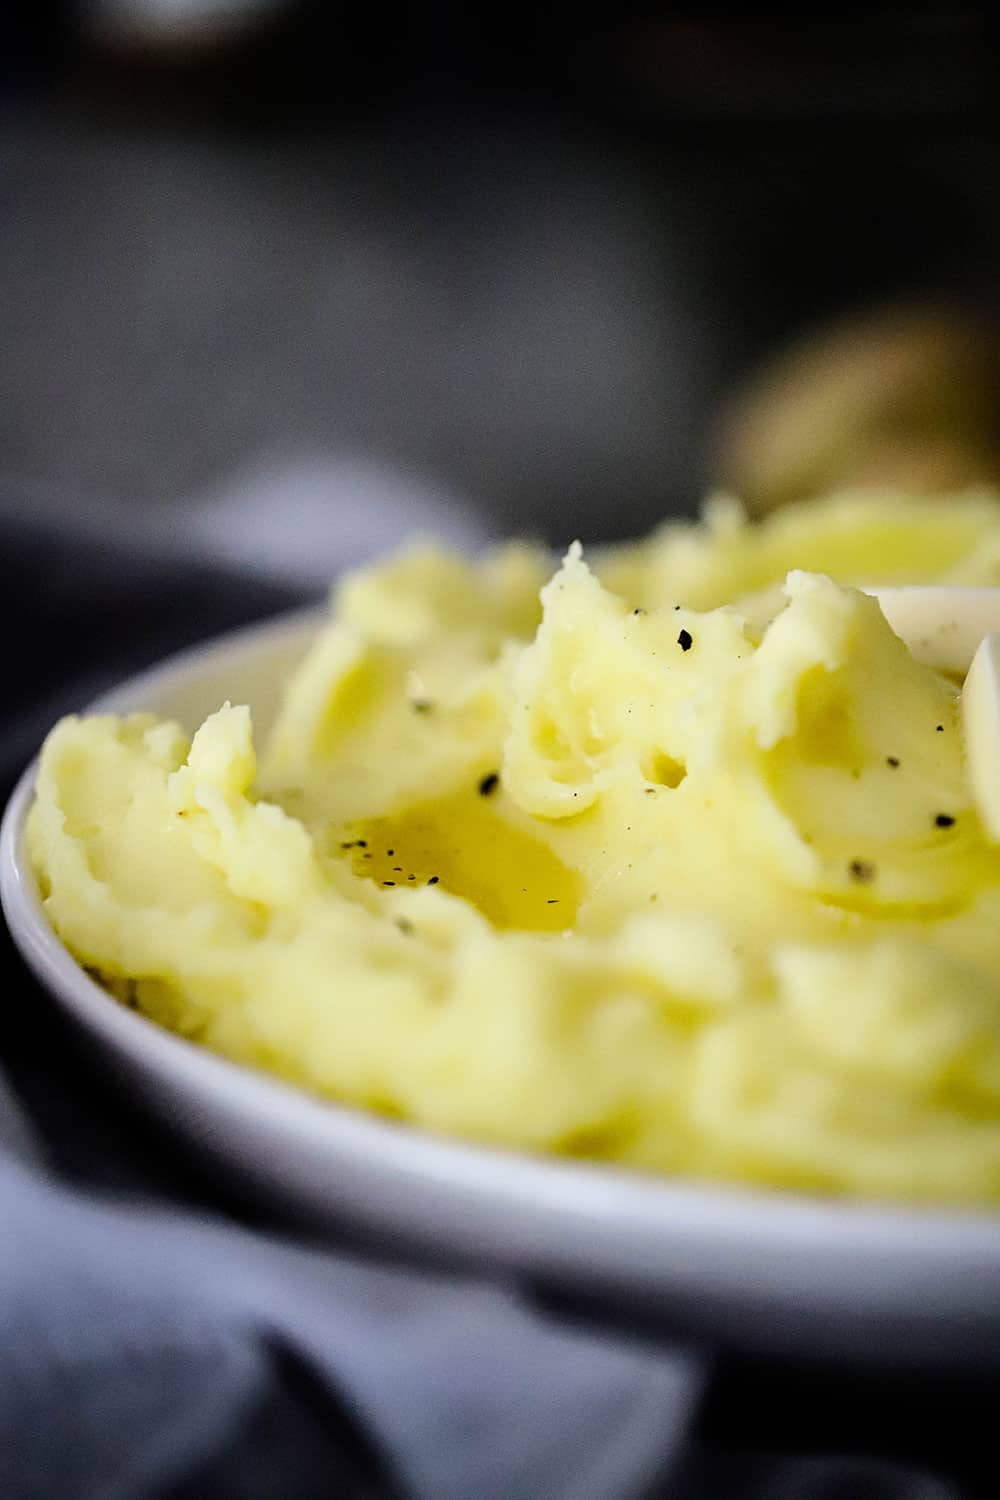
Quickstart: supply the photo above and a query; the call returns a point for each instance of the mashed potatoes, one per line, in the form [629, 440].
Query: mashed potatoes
[666, 858]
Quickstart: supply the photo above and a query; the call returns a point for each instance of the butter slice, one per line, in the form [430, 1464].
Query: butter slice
[957, 630]
[942, 624]
[981, 725]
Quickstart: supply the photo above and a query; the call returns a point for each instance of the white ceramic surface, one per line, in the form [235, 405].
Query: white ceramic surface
[756, 1269]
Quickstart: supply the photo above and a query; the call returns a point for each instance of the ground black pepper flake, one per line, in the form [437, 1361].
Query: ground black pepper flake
[411, 877]
[388, 882]
[552, 901]
[676, 606]
[685, 641]
[390, 852]
[861, 870]
[489, 784]
[638, 611]
[944, 820]
[940, 729]
[398, 869]
[892, 760]
[434, 880]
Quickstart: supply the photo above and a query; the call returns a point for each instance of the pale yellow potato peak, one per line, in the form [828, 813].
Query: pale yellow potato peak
[667, 858]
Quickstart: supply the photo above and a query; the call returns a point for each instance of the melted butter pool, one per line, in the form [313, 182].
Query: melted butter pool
[465, 844]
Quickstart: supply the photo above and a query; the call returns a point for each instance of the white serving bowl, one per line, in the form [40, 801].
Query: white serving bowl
[755, 1269]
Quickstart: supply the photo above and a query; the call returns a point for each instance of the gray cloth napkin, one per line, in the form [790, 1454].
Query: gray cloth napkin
[141, 1342]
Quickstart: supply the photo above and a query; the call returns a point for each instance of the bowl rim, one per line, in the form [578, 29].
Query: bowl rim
[588, 1194]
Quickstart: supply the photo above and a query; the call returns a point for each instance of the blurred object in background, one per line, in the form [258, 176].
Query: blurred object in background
[302, 519]
[908, 397]
[175, 23]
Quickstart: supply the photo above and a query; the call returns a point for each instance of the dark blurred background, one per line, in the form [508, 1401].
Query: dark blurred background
[277, 276]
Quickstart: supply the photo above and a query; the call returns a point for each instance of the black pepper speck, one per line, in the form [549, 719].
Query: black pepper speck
[861, 870]
[892, 760]
[489, 784]
[685, 641]
[944, 820]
